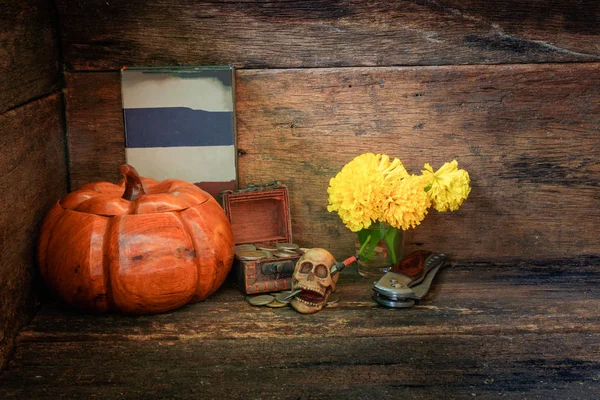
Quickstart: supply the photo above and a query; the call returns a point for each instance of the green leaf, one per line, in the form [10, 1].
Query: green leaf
[368, 240]
[363, 235]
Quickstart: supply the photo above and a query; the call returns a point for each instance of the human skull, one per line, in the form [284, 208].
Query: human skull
[312, 275]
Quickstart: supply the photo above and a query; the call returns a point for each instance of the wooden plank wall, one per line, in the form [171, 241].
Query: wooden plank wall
[509, 88]
[32, 157]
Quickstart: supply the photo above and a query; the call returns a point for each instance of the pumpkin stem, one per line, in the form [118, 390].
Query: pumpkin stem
[133, 184]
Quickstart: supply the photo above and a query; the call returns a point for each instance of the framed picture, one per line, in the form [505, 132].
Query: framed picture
[180, 123]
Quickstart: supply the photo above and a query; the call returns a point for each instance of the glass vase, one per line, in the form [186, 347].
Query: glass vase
[382, 247]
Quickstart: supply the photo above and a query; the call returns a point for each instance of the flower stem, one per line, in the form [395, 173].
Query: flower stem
[390, 238]
[362, 248]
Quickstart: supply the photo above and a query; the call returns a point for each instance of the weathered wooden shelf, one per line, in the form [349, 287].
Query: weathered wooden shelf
[485, 331]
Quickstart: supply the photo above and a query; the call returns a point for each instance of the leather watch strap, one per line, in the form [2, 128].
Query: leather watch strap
[421, 289]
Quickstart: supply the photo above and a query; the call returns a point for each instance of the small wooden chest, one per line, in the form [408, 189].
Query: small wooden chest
[261, 216]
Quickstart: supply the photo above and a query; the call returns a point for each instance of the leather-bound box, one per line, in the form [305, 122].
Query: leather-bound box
[261, 216]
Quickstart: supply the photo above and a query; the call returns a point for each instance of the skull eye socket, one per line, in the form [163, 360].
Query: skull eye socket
[305, 267]
[321, 271]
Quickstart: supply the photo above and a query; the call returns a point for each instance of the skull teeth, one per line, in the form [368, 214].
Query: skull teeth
[307, 302]
[320, 292]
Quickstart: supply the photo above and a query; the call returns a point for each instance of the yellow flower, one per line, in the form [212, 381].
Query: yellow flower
[364, 189]
[407, 204]
[448, 187]
[356, 203]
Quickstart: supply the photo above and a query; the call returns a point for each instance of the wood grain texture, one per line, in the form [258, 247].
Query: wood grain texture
[95, 127]
[467, 300]
[521, 366]
[528, 135]
[33, 178]
[101, 35]
[28, 51]
[487, 331]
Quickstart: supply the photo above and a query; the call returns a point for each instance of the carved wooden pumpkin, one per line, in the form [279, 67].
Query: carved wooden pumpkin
[140, 246]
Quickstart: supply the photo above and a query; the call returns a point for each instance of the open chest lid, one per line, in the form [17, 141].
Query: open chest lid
[259, 215]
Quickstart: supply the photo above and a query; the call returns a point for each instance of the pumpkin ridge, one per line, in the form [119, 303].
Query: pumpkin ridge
[194, 216]
[56, 223]
[188, 232]
[133, 209]
[106, 264]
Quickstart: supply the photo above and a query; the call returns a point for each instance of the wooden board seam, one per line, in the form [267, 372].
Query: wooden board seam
[30, 337]
[33, 100]
[374, 67]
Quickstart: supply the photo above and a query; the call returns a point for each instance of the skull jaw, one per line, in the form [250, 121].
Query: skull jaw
[309, 307]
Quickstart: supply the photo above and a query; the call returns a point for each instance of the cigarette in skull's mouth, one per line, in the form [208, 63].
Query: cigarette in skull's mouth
[293, 294]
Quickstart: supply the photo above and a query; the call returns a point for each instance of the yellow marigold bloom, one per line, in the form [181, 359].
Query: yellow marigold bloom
[372, 188]
[352, 192]
[448, 187]
[362, 189]
[407, 203]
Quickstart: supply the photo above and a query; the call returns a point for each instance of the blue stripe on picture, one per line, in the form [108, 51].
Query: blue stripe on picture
[177, 126]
